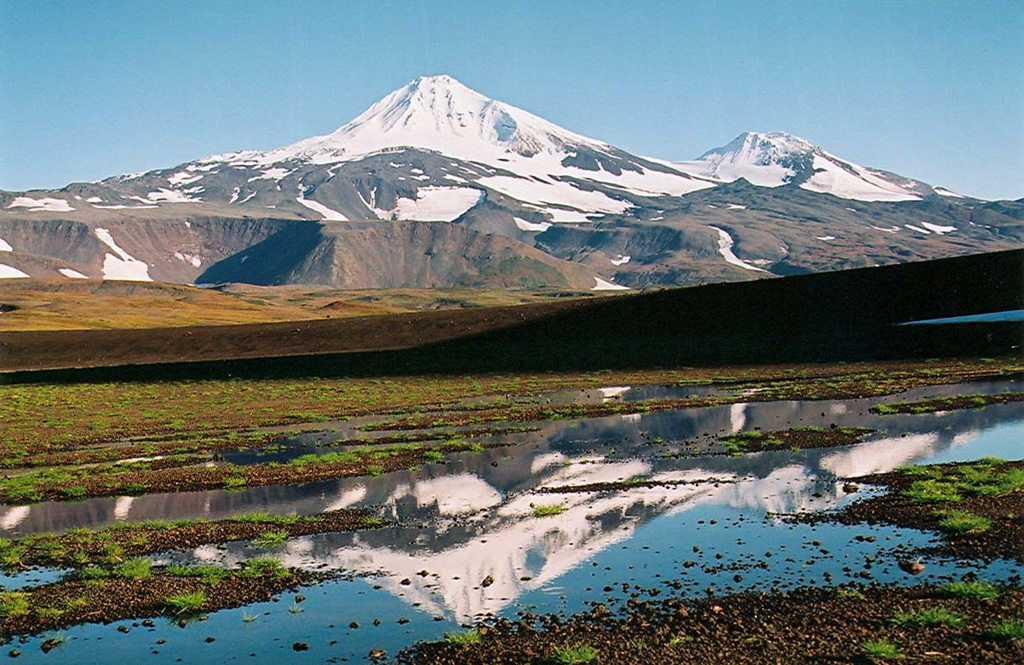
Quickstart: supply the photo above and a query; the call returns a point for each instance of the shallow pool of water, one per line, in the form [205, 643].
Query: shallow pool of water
[455, 525]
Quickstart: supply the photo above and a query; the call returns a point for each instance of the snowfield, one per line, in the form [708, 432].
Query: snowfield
[41, 205]
[434, 204]
[121, 265]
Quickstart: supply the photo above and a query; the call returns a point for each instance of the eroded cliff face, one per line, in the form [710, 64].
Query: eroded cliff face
[210, 250]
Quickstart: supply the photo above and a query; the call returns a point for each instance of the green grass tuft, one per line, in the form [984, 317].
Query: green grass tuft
[876, 650]
[270, 539]
[973, 590]
[134, 569]
[185, 603]
[13, 604]
[468, 638]
[1008, 630]
[575, 654]
[548, 510]
[927, 617]
[959, 522]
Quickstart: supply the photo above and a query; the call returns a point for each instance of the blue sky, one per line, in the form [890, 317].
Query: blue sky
[929, 89]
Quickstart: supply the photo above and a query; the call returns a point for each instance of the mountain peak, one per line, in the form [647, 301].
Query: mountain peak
[772, 159]
[761, 148]
[442, 114]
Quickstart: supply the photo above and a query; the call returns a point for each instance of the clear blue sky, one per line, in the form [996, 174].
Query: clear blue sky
[930, 89]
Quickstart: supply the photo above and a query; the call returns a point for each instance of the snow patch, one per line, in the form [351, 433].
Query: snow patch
[316, 206]
[194, 259]
[938, 228]
[271, 174]
[547, 192]
[73, 274]
[41, 205]
[725, 243]
[942, 191]
[891, 229]
[736, 206]
[605, 285]
[620, 261]
[531, 226]
[169, 196]
[123, 266]
[94, 199]
[5, 246]
[918, 229]
[7, 272]
[826, 238]
[234, 194]
[184, 178]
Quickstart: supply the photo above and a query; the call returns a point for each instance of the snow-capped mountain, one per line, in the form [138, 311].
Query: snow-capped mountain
[774, 159]
[550, 207]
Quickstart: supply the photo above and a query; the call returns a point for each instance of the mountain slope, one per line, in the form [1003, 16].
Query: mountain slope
[437, 151]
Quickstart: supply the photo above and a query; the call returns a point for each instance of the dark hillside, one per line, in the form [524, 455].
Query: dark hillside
[846, 315]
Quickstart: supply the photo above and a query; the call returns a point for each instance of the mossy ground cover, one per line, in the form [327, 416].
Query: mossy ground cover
[797, 438]
[802, 626]
[79, 482]
[112, 546]
[947, 403]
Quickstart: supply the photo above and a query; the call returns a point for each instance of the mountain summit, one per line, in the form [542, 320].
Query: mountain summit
[440, 113]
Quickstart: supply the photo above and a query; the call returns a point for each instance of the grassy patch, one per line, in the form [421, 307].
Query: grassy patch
[959, 522]
[946, 484]
[927, 617]
[134, 569]
[466, 639]
[13, 604]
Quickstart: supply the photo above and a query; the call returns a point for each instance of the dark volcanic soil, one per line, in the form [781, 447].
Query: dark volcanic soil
[805, 626]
